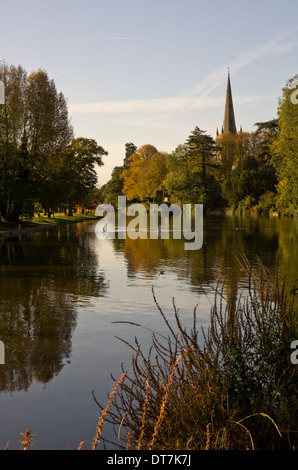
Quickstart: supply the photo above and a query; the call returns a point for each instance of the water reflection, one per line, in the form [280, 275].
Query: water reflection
[273, 240]
[42, 278]
[45, 277]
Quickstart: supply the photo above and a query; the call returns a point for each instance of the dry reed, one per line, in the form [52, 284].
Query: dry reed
[103, 415]
[239, 370]
[26, 440]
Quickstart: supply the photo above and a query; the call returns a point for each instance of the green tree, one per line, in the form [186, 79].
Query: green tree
[249, 180]
[34, 132]
[285, 148]
[231, 148]
[192, 171]
[130, 149]
[114, 186]
[78, 177]
[248, 176]
[202, 151]
[13, 117]
[49, 133]
[182, 183]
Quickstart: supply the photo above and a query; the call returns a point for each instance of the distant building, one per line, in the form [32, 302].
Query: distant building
[229, 123]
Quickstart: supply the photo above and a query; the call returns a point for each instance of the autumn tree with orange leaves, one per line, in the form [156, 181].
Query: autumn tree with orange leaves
[144, 177]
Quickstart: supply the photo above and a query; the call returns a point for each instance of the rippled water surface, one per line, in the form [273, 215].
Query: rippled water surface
[64, 292]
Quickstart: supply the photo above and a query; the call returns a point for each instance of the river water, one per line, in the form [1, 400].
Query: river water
[65, 296]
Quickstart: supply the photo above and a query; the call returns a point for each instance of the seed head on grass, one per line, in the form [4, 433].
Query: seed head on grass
[103, 415]
[81, 445]
[207, 446]
[145, 406]
[26, 441]
[164, 402]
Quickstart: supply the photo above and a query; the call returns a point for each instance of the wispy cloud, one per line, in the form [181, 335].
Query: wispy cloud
[276, 46]
[158, 105]
[117, 38]
[199, 95]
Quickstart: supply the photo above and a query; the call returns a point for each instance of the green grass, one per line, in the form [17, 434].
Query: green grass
[61, 219]
[56, 218]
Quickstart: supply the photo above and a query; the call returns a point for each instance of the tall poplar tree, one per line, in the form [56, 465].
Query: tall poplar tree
[13, 117]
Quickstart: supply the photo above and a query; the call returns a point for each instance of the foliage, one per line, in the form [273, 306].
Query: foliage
[130, 149]
[183, 181]
[248, 179]
[40, 161]
[231, 149]
[114, 186]
[285, 148]
[267, 203]
[145, 174]
[80, 160]
[201, 151]
[244, 171]
[233, 390]
[191, 171]
[252, 174]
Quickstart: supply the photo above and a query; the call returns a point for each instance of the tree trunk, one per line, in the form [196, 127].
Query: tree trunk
[70, 209]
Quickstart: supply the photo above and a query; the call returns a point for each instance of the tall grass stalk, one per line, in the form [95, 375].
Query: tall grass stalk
[103, 415]
[164, 404]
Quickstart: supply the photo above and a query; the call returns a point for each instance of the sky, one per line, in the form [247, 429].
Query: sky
[149, 72]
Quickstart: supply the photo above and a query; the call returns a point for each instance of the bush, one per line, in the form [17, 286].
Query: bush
[267, 203]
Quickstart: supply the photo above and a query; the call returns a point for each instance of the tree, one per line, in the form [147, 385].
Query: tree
[285, 148]
[12, 129]
[188, 180]
[40, 161]
[78, 175]
[231, 148]
[145, 174]
[130, 149]
[246, 170]
[34, 132]
[181, 183]
[201, 150]
[49, 133]
[114, 186]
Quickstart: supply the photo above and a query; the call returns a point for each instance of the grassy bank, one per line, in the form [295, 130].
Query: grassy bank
[56, 218]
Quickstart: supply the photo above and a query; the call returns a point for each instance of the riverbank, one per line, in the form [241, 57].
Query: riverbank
[40, 223]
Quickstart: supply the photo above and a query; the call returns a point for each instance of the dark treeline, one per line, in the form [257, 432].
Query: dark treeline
[244, 171]
[42, 164]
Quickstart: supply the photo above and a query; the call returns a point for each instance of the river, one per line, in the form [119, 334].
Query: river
[65, 296]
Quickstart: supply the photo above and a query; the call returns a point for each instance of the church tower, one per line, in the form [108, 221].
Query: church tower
[229, 124]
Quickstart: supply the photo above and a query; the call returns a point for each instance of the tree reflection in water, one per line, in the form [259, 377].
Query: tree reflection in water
[42, 276]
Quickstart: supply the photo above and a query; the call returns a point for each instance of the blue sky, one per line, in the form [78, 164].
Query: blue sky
[149, 72]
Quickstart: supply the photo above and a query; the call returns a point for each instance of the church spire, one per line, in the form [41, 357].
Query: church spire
[229, 124]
